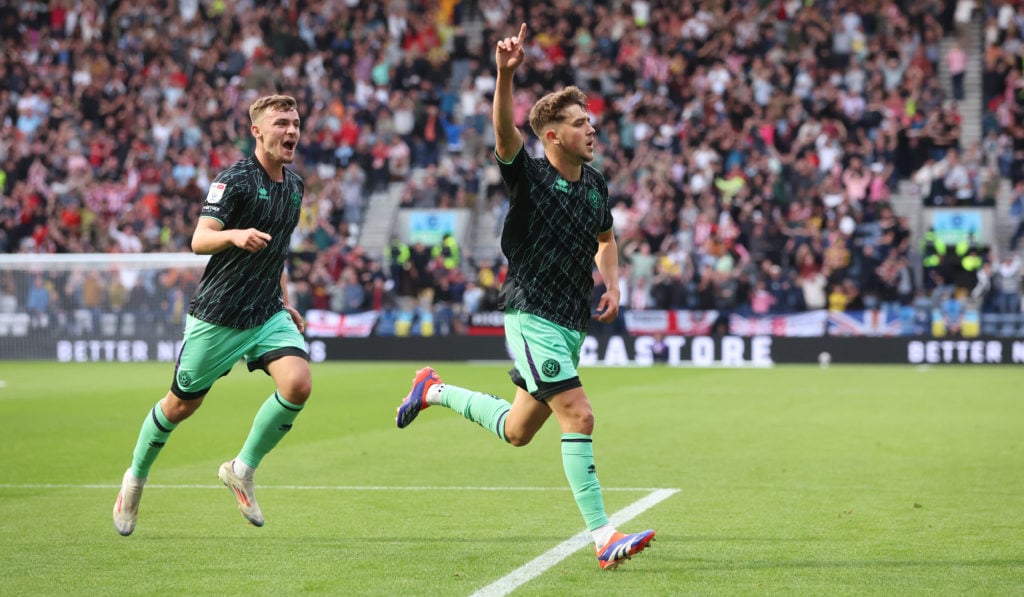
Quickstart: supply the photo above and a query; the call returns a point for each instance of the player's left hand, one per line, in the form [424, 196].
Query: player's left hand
[607, 308]
[299, 322]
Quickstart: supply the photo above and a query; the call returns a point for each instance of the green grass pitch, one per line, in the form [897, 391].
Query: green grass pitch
[887, 480]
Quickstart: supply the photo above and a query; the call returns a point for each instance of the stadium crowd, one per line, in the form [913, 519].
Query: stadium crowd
[751, 148]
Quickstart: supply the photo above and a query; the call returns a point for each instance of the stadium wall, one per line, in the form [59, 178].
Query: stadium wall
[678, 351]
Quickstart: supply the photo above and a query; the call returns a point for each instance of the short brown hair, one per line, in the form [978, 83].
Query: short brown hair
[271, 103]
[549, 108]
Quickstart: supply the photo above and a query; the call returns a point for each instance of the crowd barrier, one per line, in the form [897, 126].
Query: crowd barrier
[612, 351]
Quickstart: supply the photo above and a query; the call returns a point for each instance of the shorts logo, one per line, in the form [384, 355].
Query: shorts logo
[184, 379]
[594, 197]
[550, 368]
[216, 192]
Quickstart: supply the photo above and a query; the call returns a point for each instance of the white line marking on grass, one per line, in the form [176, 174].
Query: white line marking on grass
[312, 487]
[542, 563]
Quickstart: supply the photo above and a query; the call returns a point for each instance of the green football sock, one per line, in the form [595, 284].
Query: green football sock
[272, 422]
[578, 461]
[486, 410]
[152, 437]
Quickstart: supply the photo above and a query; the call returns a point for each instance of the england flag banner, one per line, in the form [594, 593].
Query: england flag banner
[328, 324]
[797, 325]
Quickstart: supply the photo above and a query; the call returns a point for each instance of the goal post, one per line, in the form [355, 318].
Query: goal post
[95, 306]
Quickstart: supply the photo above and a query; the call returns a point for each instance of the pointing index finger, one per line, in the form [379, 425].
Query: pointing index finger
[522, 34]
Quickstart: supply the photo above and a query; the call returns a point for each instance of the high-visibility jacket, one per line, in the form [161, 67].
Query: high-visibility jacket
[448, 248]
[971, 262]
[398, 253]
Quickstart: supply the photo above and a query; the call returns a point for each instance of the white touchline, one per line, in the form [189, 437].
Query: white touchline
[542, 563]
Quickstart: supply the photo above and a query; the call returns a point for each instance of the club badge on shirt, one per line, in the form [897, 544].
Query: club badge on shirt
[216, 192]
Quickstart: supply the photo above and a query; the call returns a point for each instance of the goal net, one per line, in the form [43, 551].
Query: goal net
[95, 307]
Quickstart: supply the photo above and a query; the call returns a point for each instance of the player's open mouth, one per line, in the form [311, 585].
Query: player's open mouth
[289, 145]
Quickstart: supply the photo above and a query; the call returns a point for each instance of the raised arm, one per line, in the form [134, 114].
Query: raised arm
[508, 56]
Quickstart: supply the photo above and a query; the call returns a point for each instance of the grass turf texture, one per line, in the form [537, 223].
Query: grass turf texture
[793, 480]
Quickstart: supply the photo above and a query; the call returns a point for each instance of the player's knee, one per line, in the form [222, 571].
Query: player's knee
[297, 390]
[518, 438]
[177, 410]
[519, 435]
[581, 422]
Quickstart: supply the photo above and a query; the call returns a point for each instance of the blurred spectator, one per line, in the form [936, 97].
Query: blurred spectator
[1008, 284]
[399, 266]
[949, 315]
[447, 251]
[37, 303]
[1017, 215]
[422, 271]
[347, 294]
[983, 294]
[956, 65]
[472, 298]
[126, 239]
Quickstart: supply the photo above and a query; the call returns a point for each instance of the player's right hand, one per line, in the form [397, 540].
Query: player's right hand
[509, 54]
[251, 240]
